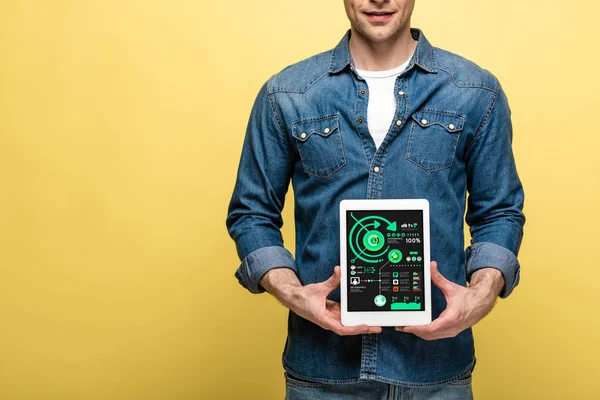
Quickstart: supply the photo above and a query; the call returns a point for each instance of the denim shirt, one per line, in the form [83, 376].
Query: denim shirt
[451, 135]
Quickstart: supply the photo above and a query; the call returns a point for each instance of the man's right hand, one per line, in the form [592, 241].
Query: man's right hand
[310, 301]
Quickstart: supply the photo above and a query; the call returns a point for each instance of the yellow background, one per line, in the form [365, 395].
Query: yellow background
[121, 125]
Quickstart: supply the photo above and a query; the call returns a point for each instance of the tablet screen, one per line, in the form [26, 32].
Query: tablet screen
[385, 260]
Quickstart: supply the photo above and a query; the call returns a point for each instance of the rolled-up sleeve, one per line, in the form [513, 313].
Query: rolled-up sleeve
[496, 198]
[254, 218]
[256, 264]
[486, 254]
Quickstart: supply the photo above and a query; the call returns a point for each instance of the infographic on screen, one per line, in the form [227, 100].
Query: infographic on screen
[385, 260]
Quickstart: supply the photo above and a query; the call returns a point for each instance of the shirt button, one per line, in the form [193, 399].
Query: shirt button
[399, 122]
[401, 93]
[327, 130]
[363, 92]
[376, 169]
[303, 135]
[424, 121]
[451, 126]
[360, 120]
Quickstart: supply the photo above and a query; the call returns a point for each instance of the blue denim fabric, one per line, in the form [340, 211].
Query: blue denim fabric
[460, 389]
[451, 135]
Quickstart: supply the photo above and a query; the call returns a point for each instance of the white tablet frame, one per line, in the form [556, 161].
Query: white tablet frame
[385, 318]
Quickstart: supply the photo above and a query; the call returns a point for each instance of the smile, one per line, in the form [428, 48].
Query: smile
[379, 16]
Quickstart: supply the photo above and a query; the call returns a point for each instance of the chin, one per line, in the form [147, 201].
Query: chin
[379, 36]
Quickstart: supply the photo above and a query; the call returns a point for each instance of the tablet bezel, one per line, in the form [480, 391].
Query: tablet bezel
[385, 318]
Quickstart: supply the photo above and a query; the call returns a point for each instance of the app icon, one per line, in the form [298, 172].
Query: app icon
[380, 300]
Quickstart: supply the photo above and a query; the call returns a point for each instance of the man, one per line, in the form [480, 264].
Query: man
[382, 115]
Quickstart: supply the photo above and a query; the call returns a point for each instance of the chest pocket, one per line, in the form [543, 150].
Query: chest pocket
[319, 143]
[433, 138]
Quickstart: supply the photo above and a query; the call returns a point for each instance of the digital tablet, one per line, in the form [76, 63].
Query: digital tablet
[384, 257]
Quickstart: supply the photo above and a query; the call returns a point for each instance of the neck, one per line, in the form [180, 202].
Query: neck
[380, 56]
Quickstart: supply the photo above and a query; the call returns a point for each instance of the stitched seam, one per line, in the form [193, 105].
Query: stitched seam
[467, 86]
[355, 123]
[319, 380]
[292, 381]
[357, 128]
[334, 117]
[433, 63]
[484, 120]
[332, 60]
[274, 115]
[382, 379]
[323, 174]
[382, 172]
[324, 117]
[474, 249]
[455, 130]
[459, 121]
[313, 172]
[317, 80]
[455, 114]
[300, 91]
[503, 221]
[428, 170]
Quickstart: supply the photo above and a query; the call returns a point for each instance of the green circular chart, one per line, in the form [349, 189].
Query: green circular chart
[367, 239]
[395, 256]
[373, 240]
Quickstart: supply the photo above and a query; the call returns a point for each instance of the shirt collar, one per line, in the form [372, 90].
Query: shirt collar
[423, 56]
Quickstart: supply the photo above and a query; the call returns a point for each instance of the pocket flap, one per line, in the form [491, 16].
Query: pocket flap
[323, 126]
[451, 122]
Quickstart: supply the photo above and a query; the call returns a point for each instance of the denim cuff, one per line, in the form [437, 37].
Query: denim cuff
[486, 254]
[256, 264]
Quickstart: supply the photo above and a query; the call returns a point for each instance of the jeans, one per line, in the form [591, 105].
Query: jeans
[297, 389]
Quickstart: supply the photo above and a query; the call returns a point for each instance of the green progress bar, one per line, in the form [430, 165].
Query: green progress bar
[406, 306]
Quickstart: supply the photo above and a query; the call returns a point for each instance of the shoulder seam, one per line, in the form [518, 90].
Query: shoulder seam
[273, 110]
[322, 68]
[465, 86]
[301, 91]
[485, 117]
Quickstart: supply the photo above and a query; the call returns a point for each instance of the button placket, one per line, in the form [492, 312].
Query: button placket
[360, 113]
[401, 102]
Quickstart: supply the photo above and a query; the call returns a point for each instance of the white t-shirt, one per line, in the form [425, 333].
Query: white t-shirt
[382, 100]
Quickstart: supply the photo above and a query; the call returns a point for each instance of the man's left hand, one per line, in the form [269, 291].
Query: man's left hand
[465, 305]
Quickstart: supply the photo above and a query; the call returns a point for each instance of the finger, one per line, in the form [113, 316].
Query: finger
[342, 330]
[333, 322]
[375, 329]
[334, 280]
[438, 328]
[440, 281]
[334, 306]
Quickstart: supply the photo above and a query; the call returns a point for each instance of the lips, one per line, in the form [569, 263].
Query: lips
[378, 12]
[379, 16]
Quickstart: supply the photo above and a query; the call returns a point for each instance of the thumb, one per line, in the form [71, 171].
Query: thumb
[439, 280]
[334, 280]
